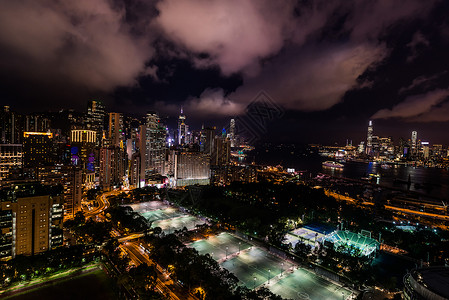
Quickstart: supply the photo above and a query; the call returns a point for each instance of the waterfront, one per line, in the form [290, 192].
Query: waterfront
[432, 182]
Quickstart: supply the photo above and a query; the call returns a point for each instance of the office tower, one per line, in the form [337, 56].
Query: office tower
[116, 130]
[209, 136]
[112, 167]
[10, 129]
[425, 150]
[155, 146]
[182, 129]
[190, 168]
[70, 178]
[83, 154]
[369, 138]
[414, 143]
[10, 159]
[221, 153]
[37, 149]
[36, 123]
[232, 133]
[231, 173]
[437, 151]
[95, 118]
[31, 219]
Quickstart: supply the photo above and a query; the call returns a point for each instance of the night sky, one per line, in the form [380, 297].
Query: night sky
[331, 65]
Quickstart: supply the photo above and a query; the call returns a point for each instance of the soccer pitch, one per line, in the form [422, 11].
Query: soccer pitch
[255, 267]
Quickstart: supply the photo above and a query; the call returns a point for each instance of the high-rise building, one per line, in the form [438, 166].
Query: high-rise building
[155, 145]
[190, 168]
[10, 127]
[414, 145]
[84, 155]
[182, 129]
[369, 138]
[37, 149]
[95, 118]
[10, 159]
[209, 136]
[221, 154]
[31, 218]
[116, 130]
[232, 133]
[112, 167]
[425, 150]
[70, 178]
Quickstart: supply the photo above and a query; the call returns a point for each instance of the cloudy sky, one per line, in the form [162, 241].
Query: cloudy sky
[331, 65]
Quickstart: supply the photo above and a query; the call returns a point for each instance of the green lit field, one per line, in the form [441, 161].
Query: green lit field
[303, 284]
[170, 225]
[255, 267]
[216, 246]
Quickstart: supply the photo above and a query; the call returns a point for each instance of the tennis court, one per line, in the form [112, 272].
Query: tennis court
[220, 246]
[164, 216]
[303, 284]
[255, 267]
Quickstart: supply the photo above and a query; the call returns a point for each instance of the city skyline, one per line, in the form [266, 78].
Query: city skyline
[331, 66]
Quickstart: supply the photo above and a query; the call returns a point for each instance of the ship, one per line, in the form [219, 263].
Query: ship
[333, 164]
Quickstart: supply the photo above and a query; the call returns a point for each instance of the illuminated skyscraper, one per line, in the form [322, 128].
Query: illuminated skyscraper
[116, 130]
[232, 132]
[37, 149]
[414, 141]
[95, 117]
[154, 145]
[182, 128]
[369, 138]
[10, 158]
[31, 216]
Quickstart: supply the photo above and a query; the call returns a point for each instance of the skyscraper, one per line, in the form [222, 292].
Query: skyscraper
[369, 138]
[414, 143]
[95, 118]
[182, 128]
[154, 145]
[31, 216]
[37, 149]
[116, 130]
[10, 159]
[232, 132]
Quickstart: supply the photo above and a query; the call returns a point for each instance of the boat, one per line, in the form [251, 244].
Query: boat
[333, 164]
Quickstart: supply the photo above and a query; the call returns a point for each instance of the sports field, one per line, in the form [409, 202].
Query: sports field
[167, 217]
[255, 267]
[216, 246]
[304, 235]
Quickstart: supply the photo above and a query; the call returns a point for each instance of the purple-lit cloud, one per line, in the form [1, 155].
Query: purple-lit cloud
[84, 42]
[427, 107]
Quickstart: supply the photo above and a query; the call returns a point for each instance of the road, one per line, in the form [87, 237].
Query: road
[103, 203]
[164, 284]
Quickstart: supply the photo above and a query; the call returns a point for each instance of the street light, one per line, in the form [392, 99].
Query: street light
[212, 255]
[269, 275]
[282, 268]
[226, 252]
[239, 246]
[254, 283]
